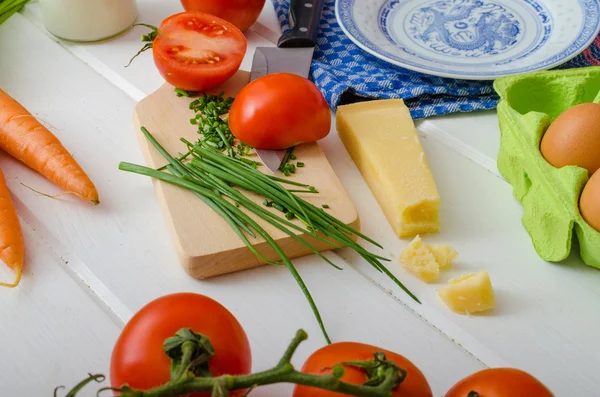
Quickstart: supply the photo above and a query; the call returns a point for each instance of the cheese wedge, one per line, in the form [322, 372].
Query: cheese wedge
[471, 293]
[382, 140]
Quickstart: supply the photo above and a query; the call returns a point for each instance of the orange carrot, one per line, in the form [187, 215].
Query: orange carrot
[27, 140]
[12, 248]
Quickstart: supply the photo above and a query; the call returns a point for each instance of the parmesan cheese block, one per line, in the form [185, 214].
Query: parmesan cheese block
[383, 142]
[471, 293]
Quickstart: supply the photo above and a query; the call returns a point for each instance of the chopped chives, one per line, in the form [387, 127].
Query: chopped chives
[179, 92]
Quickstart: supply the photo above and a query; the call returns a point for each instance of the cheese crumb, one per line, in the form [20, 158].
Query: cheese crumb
[426, 260]
[444, 254]
[468, 294]
[418, 260]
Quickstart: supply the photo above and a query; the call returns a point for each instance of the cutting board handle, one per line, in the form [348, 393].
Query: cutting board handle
[305, 19]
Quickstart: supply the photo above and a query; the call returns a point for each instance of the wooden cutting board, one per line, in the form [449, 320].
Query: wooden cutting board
[205, 242]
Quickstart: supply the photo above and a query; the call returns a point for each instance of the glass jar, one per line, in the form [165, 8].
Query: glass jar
[88, 20]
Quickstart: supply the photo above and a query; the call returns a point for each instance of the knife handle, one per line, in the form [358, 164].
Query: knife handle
[305, 19]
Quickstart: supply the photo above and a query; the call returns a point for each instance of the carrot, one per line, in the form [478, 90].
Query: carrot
[26, 139]
[12, 248]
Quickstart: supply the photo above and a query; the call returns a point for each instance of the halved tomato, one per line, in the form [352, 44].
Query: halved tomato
[196, 51]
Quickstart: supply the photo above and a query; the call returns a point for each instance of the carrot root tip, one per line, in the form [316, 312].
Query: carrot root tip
[94, 200]
[18, 277]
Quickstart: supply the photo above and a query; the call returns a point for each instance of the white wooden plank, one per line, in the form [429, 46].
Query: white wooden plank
[478, 131]
[126, 247]
[457, 138]
[543, 322]
[53, 333]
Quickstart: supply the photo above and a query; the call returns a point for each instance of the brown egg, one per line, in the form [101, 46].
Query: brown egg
[589, 204]
[574, 138]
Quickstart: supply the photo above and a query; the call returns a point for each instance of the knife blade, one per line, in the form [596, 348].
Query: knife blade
[293, 54]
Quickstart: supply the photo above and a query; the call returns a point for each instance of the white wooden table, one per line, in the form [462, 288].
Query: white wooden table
[90, 268]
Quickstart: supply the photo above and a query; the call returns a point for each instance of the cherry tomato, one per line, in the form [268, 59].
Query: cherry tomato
[241, 13]
[499, 382]
[195, 51]
[278, 111]
[138, 359]
[321, 362]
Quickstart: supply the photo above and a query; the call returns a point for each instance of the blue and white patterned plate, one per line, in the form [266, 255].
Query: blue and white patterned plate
[471, 39]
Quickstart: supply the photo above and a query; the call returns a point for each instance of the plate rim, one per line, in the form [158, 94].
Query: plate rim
[426, 71]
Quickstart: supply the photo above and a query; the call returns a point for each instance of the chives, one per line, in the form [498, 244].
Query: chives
[9, 7]
[212, 176]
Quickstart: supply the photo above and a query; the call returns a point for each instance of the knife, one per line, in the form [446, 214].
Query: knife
[293, 54]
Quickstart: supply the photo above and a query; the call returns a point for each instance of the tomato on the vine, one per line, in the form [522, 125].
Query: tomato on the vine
[196, 51]
[278, 111]
[241, 13]
[499, 382]
[322, 361]
[138, 359]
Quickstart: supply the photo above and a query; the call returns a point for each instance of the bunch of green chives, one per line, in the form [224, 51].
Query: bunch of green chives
[213, 177]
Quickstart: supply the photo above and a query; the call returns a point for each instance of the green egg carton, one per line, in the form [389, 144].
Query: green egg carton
[550, 196]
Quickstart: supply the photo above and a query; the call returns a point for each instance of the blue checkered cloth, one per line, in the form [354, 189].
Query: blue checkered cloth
[345, 73]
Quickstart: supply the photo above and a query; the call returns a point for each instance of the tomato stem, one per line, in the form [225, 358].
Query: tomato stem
[189, 351]
[389, 377]
[147, 38]
[91, 378]
[376, 369]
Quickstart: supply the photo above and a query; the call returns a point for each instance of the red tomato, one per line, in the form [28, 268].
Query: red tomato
[196, 52]
[138, 359]
[278, 111]
[241, 13]
[321, 362]
[500, 382]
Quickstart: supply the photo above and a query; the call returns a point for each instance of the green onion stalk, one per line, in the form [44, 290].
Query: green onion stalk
[9, 7]
[215, 178]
